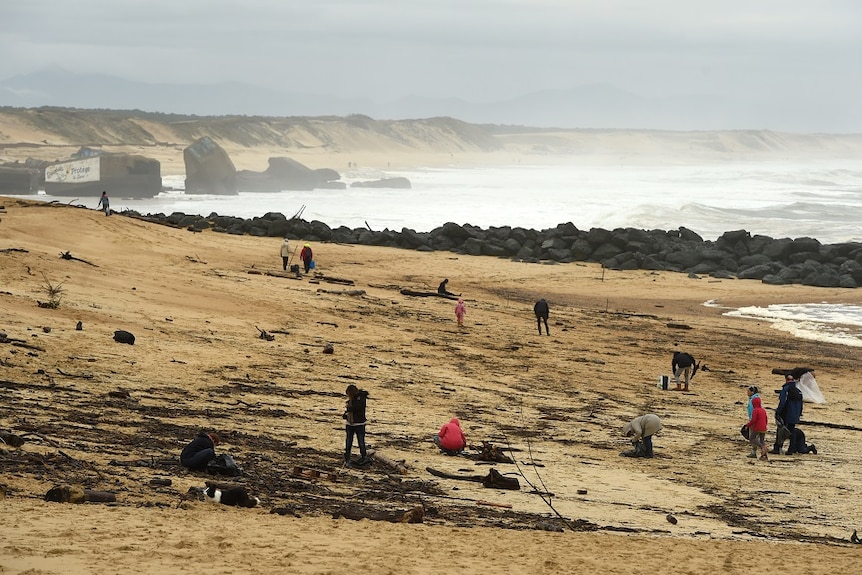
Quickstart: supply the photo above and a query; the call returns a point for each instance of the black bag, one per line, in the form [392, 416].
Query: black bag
[223, 465]
[744, 431]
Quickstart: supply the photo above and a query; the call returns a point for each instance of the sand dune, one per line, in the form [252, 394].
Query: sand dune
[333, 142]
[559, 402]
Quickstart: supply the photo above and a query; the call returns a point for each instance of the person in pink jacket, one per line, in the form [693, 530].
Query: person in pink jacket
[460, 312]
[450, 439]
[757, 426]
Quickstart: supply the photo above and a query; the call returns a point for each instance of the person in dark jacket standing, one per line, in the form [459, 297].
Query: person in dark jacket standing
[200, 451]
[354, 416]
[787, 415]
[306, 256]
[542, 312]
[683, 364]
[105, 204]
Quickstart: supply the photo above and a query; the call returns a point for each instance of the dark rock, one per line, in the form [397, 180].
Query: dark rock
[209, 169]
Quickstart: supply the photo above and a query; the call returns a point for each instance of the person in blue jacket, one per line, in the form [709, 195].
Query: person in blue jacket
[787, 414]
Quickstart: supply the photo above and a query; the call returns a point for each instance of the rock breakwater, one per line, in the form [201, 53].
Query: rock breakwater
[736, 254]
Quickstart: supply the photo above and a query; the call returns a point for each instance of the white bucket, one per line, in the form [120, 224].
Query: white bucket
[663, 382]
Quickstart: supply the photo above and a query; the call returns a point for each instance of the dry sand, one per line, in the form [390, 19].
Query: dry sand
[559, 401]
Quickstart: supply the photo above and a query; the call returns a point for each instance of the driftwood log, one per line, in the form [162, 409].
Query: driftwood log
[796, 372]
[399, 466]
[415, 293]
[68, 256]
[414, 515]
[332, 280]
[494, 479]
[11, 439]
[356, 292]
[152, 462]
[77, 494]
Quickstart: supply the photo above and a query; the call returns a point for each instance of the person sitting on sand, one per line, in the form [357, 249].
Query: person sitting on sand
[200, 451]
[450, 439]
[442, 289]
[641, 429]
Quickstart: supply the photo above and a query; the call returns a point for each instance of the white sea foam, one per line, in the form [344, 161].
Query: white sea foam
[827, 322]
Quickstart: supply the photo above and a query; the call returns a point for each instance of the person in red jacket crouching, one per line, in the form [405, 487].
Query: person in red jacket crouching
[450, 439]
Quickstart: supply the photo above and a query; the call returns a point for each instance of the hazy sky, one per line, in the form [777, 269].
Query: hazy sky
[480, 50]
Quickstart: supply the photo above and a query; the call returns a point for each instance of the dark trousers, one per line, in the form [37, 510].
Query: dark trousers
[539, 320]
[199, 460]
[784, 433]
[359, 432]
[284, 262]
[647, 441]
[306, 264]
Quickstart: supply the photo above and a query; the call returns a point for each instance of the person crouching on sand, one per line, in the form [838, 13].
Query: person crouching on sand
[450, 439]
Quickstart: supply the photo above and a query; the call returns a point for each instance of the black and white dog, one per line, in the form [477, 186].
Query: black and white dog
[237, 496]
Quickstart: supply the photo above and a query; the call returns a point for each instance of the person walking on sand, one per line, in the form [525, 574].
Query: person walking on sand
[285, 253]
[354, 416]
[757, 426]
[104, 203]
[450, 439]
[460, 311]
[542, 312]
[683, 364]
[753, 393]
[305, 255]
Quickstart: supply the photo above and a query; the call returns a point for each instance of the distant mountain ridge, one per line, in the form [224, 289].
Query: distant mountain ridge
[596, 106]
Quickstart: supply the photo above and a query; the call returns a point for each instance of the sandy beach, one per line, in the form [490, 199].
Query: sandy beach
[112, 417]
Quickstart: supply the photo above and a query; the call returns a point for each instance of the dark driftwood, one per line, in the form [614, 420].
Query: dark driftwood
[333, 280]
[68, 256]
[796, 372]
[494, 479]
[459, 476]
[414, 293]
[414, 515]
[5, 250]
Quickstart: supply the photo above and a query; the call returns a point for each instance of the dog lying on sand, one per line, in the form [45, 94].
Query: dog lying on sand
[237, 496]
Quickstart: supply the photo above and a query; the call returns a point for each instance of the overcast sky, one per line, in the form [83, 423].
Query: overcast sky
[480, 50]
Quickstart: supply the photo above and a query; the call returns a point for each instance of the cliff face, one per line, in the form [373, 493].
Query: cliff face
[55, 133]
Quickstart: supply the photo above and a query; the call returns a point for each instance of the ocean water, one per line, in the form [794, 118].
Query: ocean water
[827, 322]
[820, 199]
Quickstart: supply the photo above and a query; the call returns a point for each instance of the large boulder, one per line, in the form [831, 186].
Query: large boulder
[209, 169]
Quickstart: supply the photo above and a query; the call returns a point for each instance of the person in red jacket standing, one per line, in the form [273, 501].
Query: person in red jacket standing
[306, 256]
[450, 439]
[757, 426]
